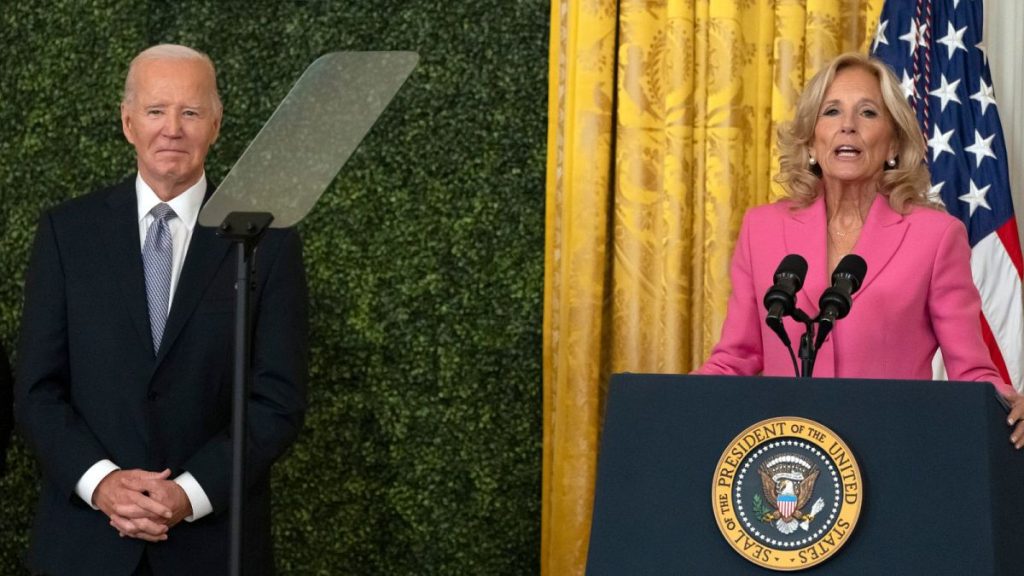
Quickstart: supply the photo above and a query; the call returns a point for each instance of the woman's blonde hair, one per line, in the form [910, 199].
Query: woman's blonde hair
[905, 184]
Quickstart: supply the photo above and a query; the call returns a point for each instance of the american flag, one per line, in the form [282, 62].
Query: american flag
[935, 48]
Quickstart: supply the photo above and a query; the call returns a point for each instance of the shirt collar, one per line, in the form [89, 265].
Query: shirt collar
[185, 205]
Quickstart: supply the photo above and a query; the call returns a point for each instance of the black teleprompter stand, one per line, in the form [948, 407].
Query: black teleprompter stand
[245, 230]
[278, 180]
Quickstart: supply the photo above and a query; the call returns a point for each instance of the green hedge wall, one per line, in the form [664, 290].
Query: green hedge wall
[422, 448]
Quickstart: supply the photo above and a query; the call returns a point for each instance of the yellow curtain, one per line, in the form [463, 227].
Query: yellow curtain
[661, 134]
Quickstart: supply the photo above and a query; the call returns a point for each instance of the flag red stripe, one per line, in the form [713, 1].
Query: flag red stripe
[993, 348]
[1011, 242]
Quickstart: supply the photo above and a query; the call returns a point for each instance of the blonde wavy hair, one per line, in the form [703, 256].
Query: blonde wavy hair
[906, 185]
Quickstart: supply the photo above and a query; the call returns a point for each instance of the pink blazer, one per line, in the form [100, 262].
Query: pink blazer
[917, 296]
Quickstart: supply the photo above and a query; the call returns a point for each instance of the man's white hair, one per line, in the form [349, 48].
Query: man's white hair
[169, 52]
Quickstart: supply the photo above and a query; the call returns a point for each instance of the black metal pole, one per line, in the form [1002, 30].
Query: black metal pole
[245, 229]
[243, 288]
[807, 351]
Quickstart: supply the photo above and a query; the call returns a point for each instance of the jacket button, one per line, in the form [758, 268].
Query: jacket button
[152, 396]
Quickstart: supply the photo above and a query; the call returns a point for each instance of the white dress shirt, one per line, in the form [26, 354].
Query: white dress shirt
[186, 208]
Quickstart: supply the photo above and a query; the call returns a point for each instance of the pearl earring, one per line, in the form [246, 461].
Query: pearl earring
[812, 161]
[891, 162]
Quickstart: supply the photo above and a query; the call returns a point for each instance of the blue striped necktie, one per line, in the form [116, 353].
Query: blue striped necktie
[157, 253]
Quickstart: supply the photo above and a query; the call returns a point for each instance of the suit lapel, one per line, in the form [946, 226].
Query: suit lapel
[804, 234]
[882, 234]
[205, 254]
[121, 235]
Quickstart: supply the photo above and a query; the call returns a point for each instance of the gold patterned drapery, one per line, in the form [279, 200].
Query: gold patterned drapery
[661, 134]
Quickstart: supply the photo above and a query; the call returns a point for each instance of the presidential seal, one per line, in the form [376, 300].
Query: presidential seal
[787, 493]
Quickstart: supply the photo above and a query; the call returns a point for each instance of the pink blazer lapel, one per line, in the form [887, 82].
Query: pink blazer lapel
[881, 236]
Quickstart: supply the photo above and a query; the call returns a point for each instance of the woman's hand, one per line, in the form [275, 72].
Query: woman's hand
[1016, 419]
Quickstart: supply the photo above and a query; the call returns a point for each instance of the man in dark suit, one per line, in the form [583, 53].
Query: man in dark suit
[6, 417]
[124, 370]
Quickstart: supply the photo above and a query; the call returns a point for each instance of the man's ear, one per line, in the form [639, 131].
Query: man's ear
[216, 129]
[126, 123]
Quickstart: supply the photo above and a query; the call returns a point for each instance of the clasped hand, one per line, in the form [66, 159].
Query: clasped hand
[142, 504]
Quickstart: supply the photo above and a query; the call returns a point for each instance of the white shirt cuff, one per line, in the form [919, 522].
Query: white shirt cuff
[201, 505]
[91, 479]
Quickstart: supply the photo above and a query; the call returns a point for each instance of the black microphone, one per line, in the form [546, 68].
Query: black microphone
[836, 301]
[780, 300]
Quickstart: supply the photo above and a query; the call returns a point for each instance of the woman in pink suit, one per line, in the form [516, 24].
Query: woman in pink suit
[852, 163]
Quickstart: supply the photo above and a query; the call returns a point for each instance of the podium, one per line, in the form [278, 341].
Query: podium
[942, 487]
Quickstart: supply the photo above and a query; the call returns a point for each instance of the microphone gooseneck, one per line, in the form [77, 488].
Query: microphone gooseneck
[835, 301]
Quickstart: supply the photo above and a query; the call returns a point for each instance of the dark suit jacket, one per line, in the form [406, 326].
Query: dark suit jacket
[6, 417]
[89, 386]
